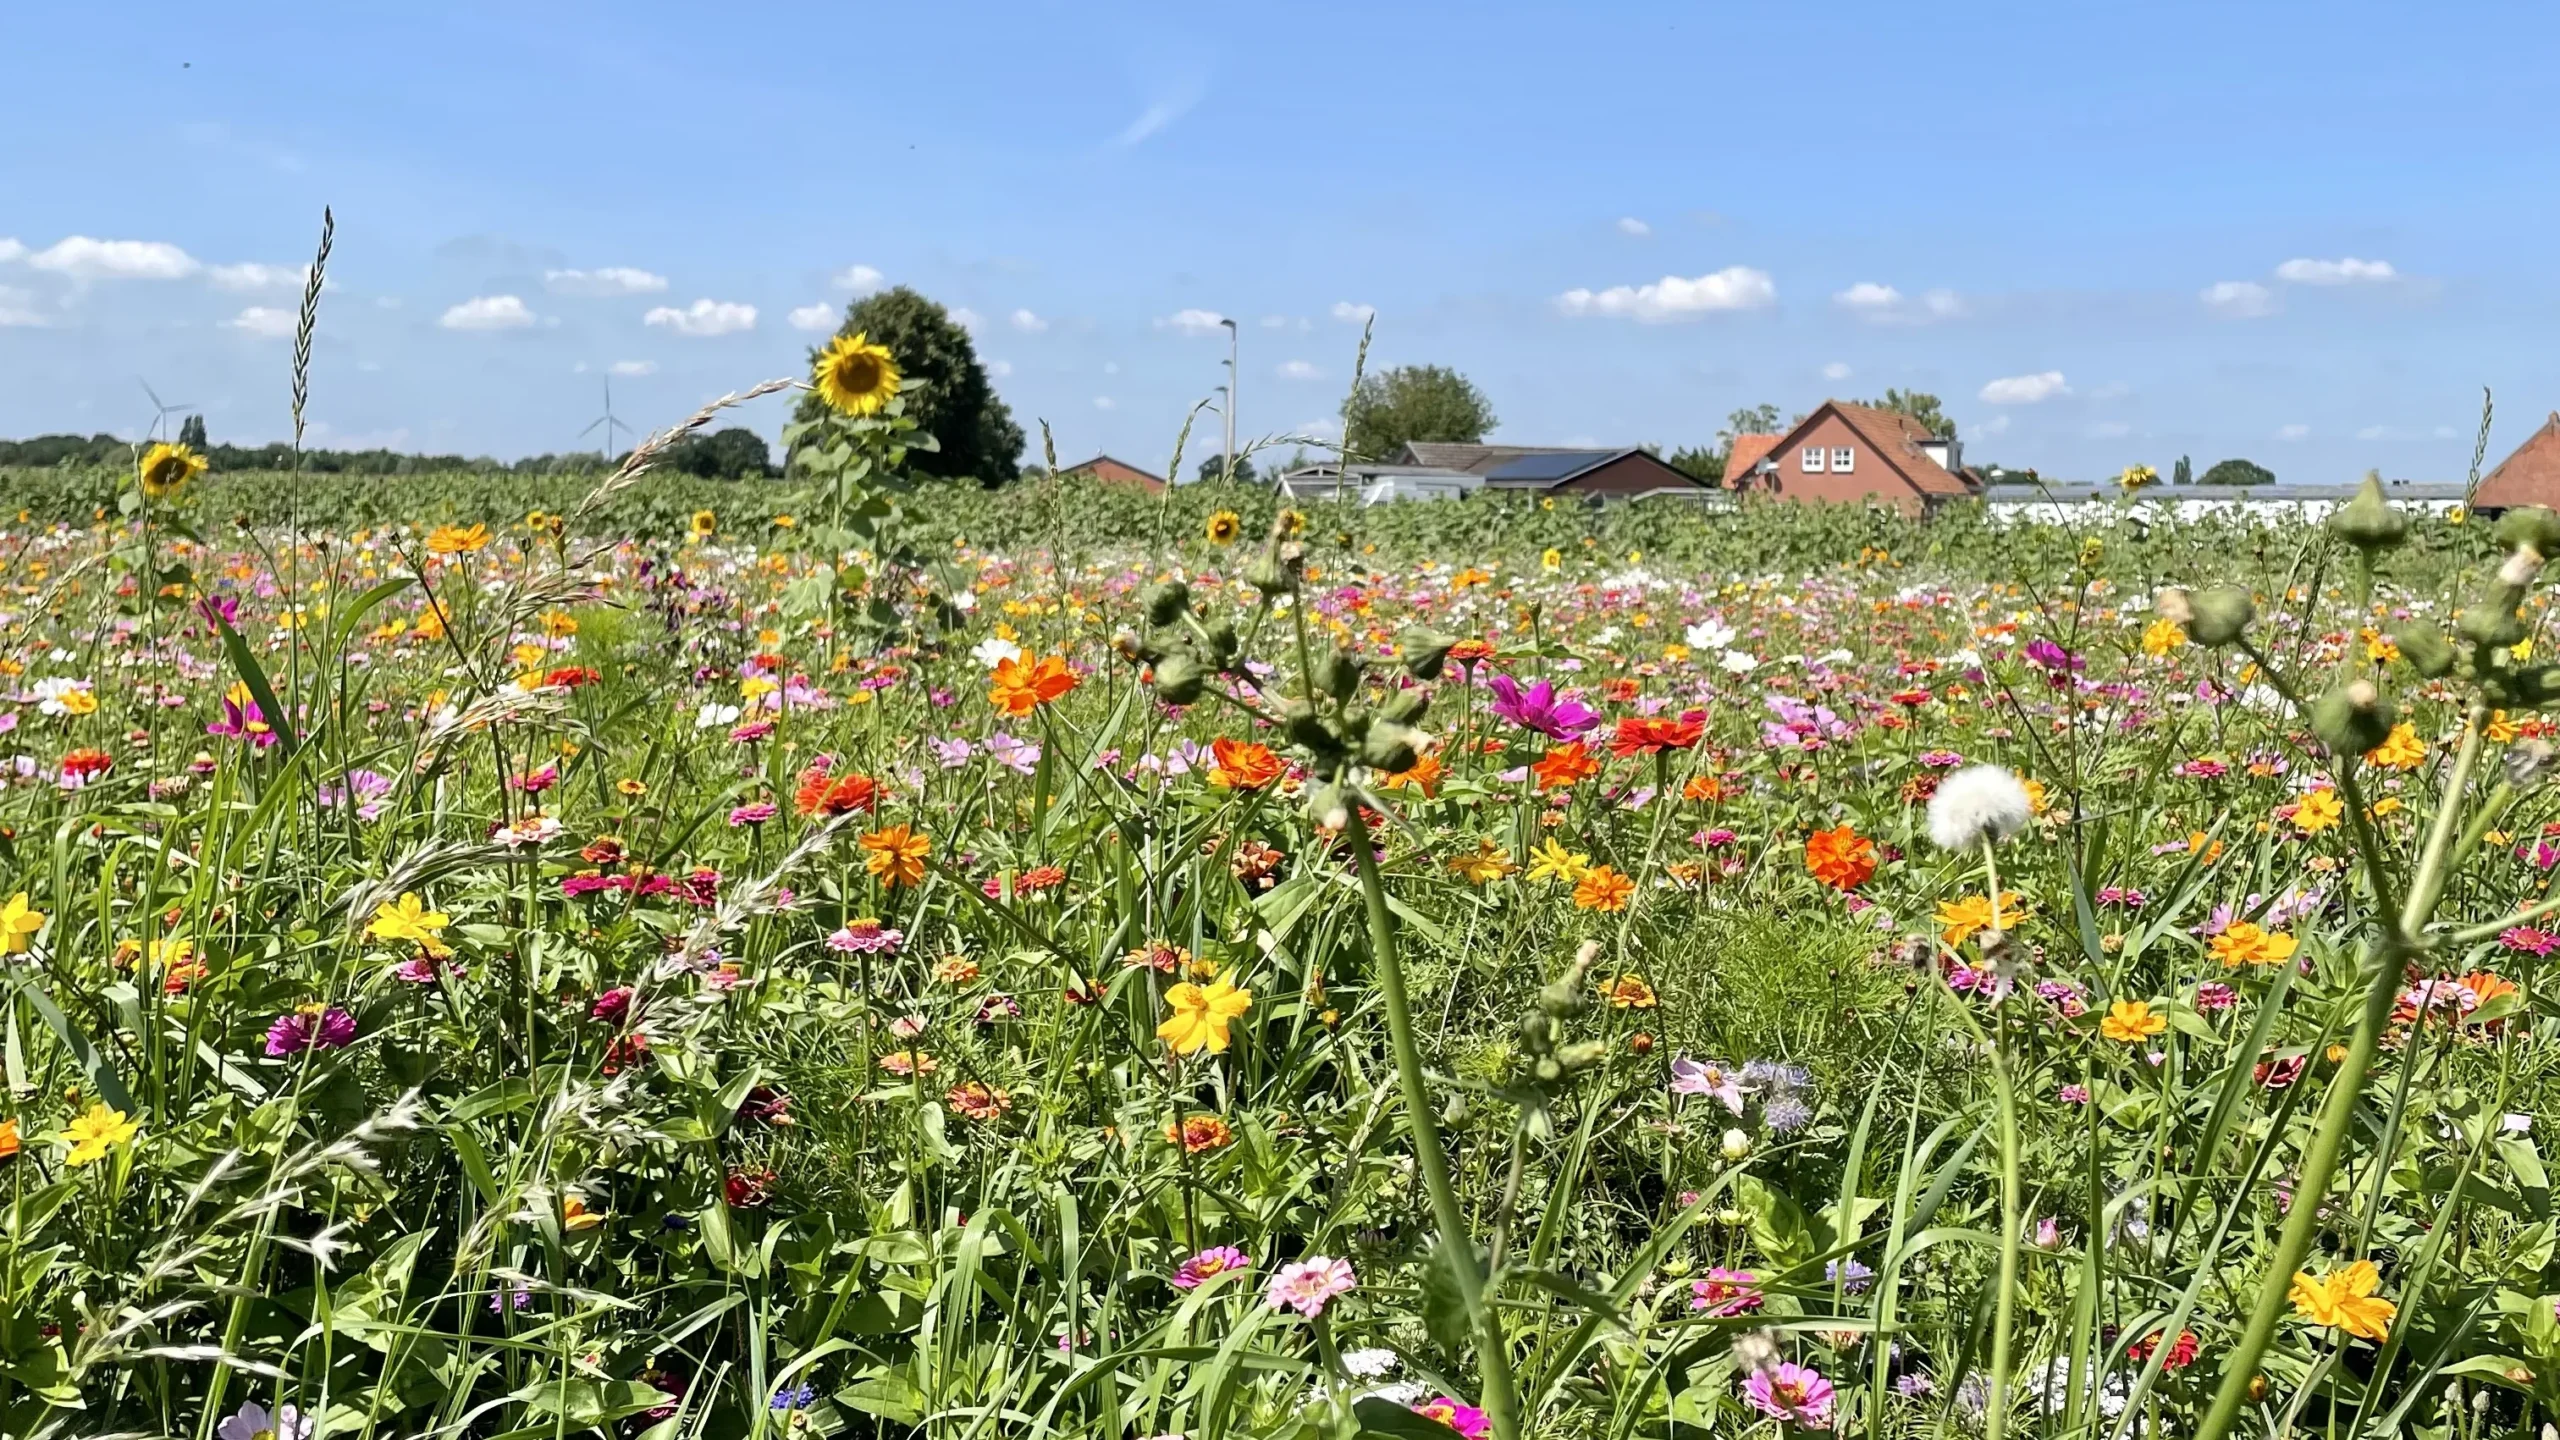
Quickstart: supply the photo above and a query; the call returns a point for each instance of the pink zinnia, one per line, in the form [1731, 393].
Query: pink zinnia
[1466, 1419]
[1726, 1292]
[1307, 1285]
[2530, 940]
[755, 814]
[866, 937]
[1214, 1261]
[2214, 995]
[313, 1027]
[1790, 1392]
[751, 731]
[611, 1006]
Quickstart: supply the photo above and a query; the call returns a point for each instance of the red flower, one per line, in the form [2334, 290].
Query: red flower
[823, 795]
[1652, 735]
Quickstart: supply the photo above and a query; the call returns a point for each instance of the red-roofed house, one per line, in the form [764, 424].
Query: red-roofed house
[1117, 472]
[2530, 476]
[1845, 453]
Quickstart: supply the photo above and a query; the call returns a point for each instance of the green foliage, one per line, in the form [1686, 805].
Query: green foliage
[1700, 462]
[734, 453]
[191, 433]
[2238, 472]
[2184, 473]
[1394, 407]
[1214, 467]
[956, 404]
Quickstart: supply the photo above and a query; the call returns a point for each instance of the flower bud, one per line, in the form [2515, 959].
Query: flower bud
[1582, 1055]
[1305, 728]
[1179, 679]
[1405, 706]
[2368, 522]
[2492, 621]
[1135, 649]
[1389, 747]
[2219, 616]
[1338, 675]
[2529, 527]
[1223, 644]
[2424, 647]
[1165, 601]
[2174, 605]
[2529, 762]
[2352, 718]
[1271, 577]
[1737, 1146]
[1537, 1033]
[1423, 650]
[1327, 808]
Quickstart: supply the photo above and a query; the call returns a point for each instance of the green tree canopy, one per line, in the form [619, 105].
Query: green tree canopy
[1917, 404]
[956, 406]
[1700, 462]
[1413, 402]
[2238, 472]
[736, 453]
[1215, 468]
[1761, 419]
[191, 433]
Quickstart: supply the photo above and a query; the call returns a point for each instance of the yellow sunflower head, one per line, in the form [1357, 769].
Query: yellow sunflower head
[166, 469]
[704, 523]
[1224, 527]
[856, 377]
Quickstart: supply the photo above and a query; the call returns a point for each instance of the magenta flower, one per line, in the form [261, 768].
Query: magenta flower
[313, 1027]
[1789, 1391]
[2529, 940]
[866, 937]
[611, 1007]
[1726, 1292]
[1539, 708]
[1214, 1261]
[1466, 1419]
[1308, 1285]
[243, 720]
[753, 814]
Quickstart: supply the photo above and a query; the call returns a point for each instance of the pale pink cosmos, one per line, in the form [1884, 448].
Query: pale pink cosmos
[1308, 1285]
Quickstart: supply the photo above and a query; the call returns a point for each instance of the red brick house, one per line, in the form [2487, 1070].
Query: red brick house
[1621, 474]
[2530, 476]
[1105, 470]
[1852, 454]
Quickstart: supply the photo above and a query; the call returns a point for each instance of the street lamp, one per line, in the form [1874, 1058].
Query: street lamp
[1232, 378]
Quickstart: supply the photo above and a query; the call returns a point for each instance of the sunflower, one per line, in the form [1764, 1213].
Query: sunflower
[166, 469]
[1224, 527]
[856, 377]
[705, 524]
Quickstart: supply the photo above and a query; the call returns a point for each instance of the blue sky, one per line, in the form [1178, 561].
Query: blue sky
[2104, 233]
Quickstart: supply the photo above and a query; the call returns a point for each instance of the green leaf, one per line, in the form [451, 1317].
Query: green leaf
[254, 675]
[1386, 1417]
[1444, 1305]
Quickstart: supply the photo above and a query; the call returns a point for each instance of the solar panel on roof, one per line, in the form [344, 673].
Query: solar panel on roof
[1549, 467]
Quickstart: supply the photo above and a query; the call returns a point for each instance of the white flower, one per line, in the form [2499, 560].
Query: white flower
[1736, 662]
[995, 650]
[253, 1423]
[713, 714]
[1708, 635]
[1736, 1145]
[965, 602]
[2516, 1122]
[1369, 1364]
[49, 694]
[1978, 803]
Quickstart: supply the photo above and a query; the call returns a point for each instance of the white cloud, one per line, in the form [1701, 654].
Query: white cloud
[1630, 225]
[251, 275]
[2349, 271]
[1736, 287]
[1028, 323]
[1887, 306]
[265, 321]
[2025, 389]
[82, 258]
[10, 249]
[1277, 322]
[1836, 370]
[1153, 120]
[611, 280]
[2110, 430]
[966, 318]
[1300, 370]
[634, 367]
[488, 312]
[18, 308]
[1867, 295]
[999, 368]
[1996, 425]
[2377, 432]
[2292, 432]
[1352, 311]
[860, 279]
[813, 317]
[2444, 432]
[1193, 322]
[2242, 298]
[1105, 402]
[704, 317]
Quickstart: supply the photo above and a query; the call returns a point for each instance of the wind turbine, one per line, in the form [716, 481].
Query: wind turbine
[160, 421]
[606, 422]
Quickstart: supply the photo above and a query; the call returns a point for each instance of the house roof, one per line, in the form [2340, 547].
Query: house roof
[2530, 476]
[1548, 467]
[1898, 438]
[1747, 451]
[1480, 459]
[1098, 461]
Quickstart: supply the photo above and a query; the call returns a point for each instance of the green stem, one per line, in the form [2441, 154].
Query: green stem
[1500, 1398]
[2004, 1313]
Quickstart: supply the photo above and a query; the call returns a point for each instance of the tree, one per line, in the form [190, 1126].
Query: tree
[2239, 472]
[736, 453]
[2183, 473]
[1920, 406]
[191, 433]
[1750, 420]
[1215, 468]
[956, 405]
[1413, 402]
[1699, 462]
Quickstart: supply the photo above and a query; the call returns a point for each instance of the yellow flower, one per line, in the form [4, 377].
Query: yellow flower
[1224, 527]
[1629, 992]
[1486, 865]
[2318, 811]
[896, 855]
[1201, 1014]
[2344, 1298]
[2162, 636]
[1961, 919]
[1552, 561]
[856, 377]
[1552, 861]
[96, 1132]
[2132, 1022]
[1603, 888]
[457, 539]
[19, 922]
[167, 468]
[574, 1214]
[411, 920]
[2400, 750]
[705, 524]
[2244, 943]
[2455, 516]
[78, 702]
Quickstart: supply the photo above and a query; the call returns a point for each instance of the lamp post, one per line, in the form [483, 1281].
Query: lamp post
[1232, 378]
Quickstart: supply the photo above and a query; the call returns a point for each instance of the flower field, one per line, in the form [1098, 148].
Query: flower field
[822, 973]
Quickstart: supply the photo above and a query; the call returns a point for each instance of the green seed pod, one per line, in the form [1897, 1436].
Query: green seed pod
[1223, 643]
[1338, 675]
[1179, 679]
[2368, 522]
[1548, 1070]
[2493, 620]
[1306, 728]
[1271, 577]
[1582, 1055]
[2528, 527]
[1563, 997]
[1136, 649]
[1423, 651]
[2219, 616]
[2352, 718]
[1538, 1033]
[2424, 647]
[1389, 747]
[1405, 706]
[1165, 601]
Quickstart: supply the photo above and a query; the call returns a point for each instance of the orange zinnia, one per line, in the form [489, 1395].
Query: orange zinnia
[1654, 735]
[1243, 765]
[823, 794]
[1602, 888]
[1423, 775]
[1564, 765]
[1840, 858]
[1022, 686]
[1200, 1132]
[896, 855]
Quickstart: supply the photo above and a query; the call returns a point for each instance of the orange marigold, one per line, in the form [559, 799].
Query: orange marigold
[1243, 764]
[896, 855]
[1022, 686]
[1564, 765]
[1840, 858]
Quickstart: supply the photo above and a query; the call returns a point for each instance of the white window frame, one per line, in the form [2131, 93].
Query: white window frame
[1844, 459]
[1814, 458]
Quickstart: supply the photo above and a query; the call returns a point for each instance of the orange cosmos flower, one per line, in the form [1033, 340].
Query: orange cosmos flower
[1423, 775]
[1653, 735]
[896, 855]
[1840, 858]
[1022, 686]
[1602, 888]
[1243, 765]
[1564, 765]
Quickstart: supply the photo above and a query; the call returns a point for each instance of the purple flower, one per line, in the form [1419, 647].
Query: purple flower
[313, 1027]
[1712, 1078]
[1214, 1261]
[2053, 657]
[243, 720]
[1017, 755]
[1539, 708]
[754, 814]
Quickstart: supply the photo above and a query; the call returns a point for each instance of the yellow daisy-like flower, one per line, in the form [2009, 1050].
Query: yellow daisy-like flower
[166, 469]
[457, 539]
[1486, 865]
[2401, 750]
[705, 524]
[97, 1131]
[1551, 861]
[2344, 1298]
[2245, 943]
[19, 922]
[2131, 1022]
[1551, 561]
[2162, 636]
[2320, 810]
[856, 377]
[1201, 1015]
[1224, 527]
[408, 919]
